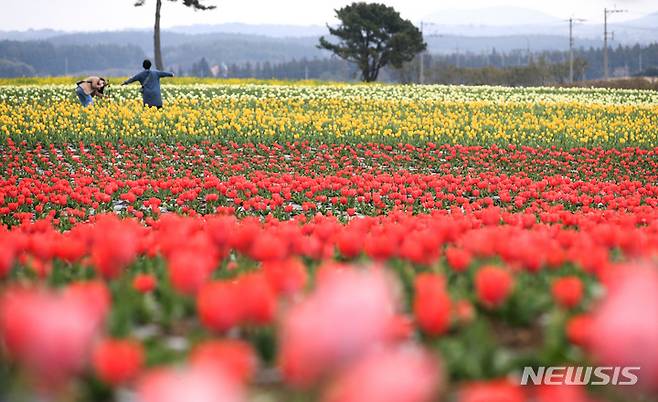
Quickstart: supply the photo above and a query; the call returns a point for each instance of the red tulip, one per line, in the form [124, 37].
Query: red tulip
[350, 243]
[568, 291]
[578, 330]
[286, 276]
[117, 361]
[115, 246]
[267, 247]
[144, 283]
[458, 259]
[258, 301]
[219, 306]
[236, 358]
[493, 285]
[464, 312]
[432, 305]
[189, 269]
[7, 255]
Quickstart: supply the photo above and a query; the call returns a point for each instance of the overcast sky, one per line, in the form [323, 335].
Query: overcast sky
[86, 15]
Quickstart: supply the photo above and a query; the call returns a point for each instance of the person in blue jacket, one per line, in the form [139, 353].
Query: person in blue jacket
[150, 80]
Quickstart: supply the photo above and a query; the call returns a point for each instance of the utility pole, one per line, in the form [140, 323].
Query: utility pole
[528, 51]
[421, 73]
[606, 35]
[421, 67]
[571, 50]
[571, 22]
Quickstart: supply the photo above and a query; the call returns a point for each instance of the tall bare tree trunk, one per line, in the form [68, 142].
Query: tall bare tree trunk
[156, 37]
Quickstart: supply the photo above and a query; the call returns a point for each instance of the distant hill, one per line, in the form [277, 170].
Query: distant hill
[505, 16]
[275, 31]
[511, 21]
[31, 34]
[240, 47]
[183, 49]
[648, 21]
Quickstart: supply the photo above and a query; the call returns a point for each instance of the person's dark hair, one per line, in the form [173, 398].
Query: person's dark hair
[146, 64]
[105, 84]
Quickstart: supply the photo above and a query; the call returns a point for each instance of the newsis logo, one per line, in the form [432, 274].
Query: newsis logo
[580, 375]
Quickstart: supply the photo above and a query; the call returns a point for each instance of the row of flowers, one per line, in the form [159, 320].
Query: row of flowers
[58, 88]
[344, 114]
[69, 185]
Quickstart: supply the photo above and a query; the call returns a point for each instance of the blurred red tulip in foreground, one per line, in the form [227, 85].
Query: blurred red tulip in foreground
[48, 333]
[403, 374]
[624, 329]
[349, 313]
[198, 383]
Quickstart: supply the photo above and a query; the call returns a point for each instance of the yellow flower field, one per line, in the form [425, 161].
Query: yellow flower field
[241, 111]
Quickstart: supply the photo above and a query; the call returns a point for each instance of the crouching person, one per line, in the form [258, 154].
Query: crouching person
[90, 87]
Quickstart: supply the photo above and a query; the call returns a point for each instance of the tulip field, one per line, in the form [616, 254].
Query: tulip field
[258, 241]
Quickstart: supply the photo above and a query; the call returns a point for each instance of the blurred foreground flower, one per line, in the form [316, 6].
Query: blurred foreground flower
[561, 393]
[198, 383]
[492, 391]
[49, 334]
[624, 329]
[349, 313]
[237, 358]
[404, 374]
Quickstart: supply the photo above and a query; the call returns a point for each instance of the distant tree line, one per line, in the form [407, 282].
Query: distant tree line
[318, 69]
[538, 72]
[518, 68]
[43, 58]
[11, 68]
[623, 60]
